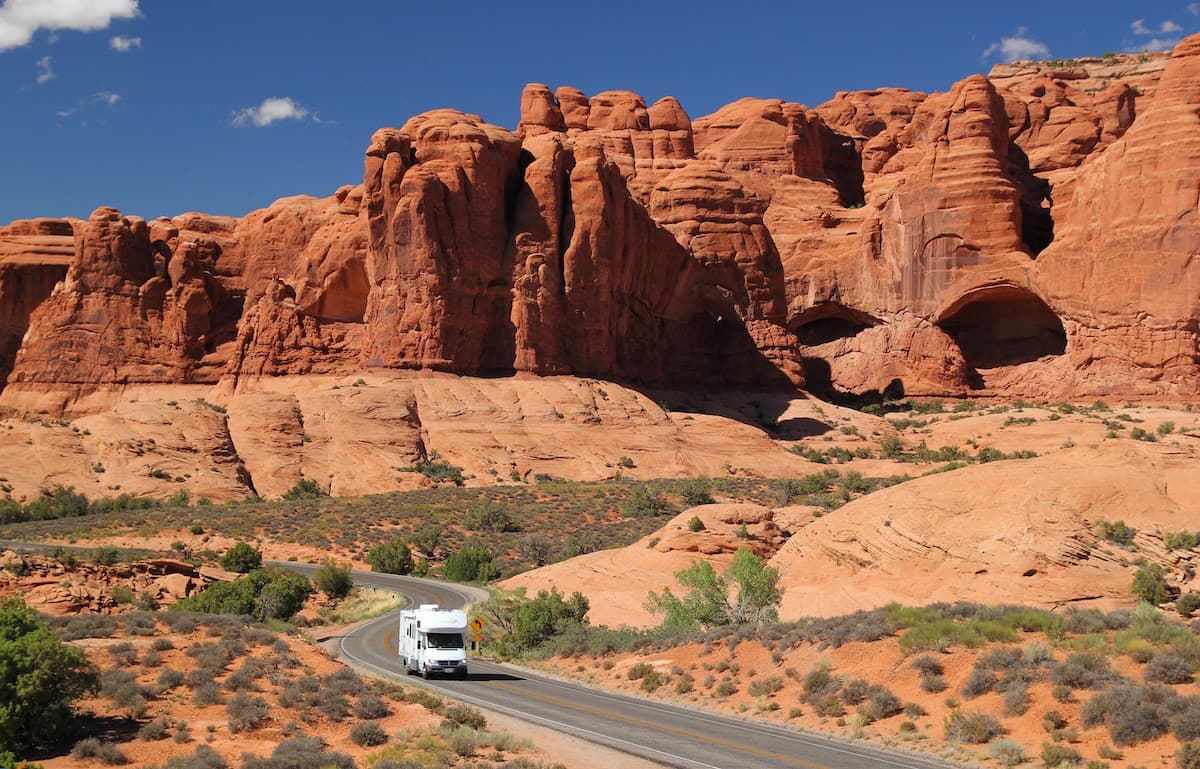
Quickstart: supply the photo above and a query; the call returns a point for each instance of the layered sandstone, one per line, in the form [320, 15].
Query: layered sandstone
[1027, 233]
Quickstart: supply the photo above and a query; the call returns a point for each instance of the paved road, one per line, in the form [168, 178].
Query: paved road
[670, 735]
[675, 736]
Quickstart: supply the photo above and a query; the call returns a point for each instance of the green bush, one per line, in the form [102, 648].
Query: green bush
[242, 558]
[545, 617]
[695, 491]
[1117, 532]
[334, 579]
[1188, 756]
[490, 517]
[644, 503]
[391, 557]
[437, 469]
[471, 564]
[747, 593]
[305, 489]
[1150, 584]
[270, 594]
[694, 524]
[40, 679]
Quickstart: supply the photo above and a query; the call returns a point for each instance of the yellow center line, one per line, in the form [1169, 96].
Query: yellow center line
[637, 721]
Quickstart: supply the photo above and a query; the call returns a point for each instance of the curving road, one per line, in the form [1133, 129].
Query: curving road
[667, 734]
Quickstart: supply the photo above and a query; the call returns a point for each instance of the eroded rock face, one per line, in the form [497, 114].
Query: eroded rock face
[1027, 233]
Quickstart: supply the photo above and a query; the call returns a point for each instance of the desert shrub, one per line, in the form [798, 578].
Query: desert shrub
[1054, 755]
[695, 524]
[695, 491]
[1007, 752]
[653, 681]
[334, 579]
[933, 683]
[242, 558]
[305, 489]
[928, 665]
[204, 758]
[725, 689]
[686, 683]
[1016, 697]
[819, 683]
[300, 753]
[154, 730]
[638, 671]
[971, 728]
[1185, 718]
[169, 679]
[465, 715]
[392, 557]
[1169, 667]
[765, 687]
[344, 681]
[1082, 670]
[1116, 532]
[123, 654]
[470, 564]
[1187, 604]
[1188, 756]
[1181, 540]
[1052, 721]
[1133, 714]
[979, 682]
[645, 503]
[371, 706]
[437, 469]
[105, 752]
[246, 712]
[368, 734]
[490, 517]
[207, 694]
[854, 691]
[881, 703]
[1150, 584]
[828, 707]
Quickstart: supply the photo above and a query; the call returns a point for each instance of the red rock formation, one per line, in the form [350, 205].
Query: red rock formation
[1028, 233]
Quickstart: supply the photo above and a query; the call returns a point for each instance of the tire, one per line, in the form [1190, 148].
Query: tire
[461, 674]
[426, 674]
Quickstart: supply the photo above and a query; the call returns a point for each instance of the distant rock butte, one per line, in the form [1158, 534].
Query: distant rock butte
[1029, 233]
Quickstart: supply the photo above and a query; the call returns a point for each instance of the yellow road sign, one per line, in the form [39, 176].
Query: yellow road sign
[478, 637]
[477, 624]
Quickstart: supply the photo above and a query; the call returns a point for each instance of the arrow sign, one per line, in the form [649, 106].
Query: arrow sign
[477, 624]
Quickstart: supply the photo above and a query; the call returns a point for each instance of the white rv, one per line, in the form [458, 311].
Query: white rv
[434, 640]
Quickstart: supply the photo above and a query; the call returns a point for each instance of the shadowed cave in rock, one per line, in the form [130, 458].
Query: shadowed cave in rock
[828, 322]
[1003, 326]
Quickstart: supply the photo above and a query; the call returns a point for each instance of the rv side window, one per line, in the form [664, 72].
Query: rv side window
[445, 640]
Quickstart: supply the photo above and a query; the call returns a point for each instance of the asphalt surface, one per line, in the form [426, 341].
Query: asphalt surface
[666, 734]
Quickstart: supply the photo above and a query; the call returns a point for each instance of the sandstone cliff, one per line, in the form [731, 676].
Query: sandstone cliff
[1028, 233]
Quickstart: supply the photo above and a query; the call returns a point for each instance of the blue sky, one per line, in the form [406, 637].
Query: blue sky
[165, 106]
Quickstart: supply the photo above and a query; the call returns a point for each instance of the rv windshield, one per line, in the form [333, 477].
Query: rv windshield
[445, 641]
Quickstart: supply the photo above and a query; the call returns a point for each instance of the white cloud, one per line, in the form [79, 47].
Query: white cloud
[20, 19]
[1166, 28]
[1194, 9]
[123, 44]
[272, 110]
[1019, 46]
[1154, 44]
[45, 70]
[107, 99]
